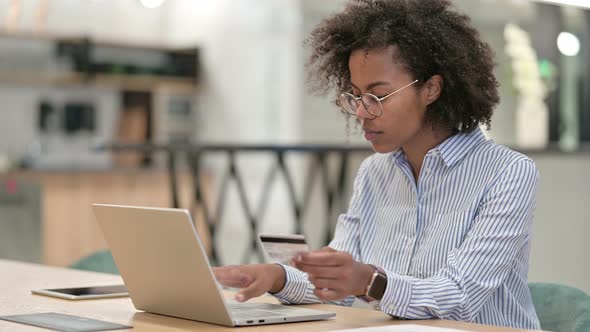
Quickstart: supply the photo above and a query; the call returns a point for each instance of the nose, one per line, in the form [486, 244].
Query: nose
[362, 113]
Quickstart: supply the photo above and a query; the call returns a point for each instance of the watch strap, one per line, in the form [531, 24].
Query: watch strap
[376, 287]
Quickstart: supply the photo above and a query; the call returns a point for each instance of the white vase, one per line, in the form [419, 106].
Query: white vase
[532, 124]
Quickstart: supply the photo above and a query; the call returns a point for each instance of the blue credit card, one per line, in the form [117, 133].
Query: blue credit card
[66, 323]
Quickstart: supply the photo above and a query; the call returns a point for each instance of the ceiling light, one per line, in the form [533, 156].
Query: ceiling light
[568, 44]
[151, 4]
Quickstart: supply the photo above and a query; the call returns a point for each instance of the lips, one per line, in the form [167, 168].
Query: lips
[371, 135]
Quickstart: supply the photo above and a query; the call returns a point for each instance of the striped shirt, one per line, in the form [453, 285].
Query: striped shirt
[454, 245]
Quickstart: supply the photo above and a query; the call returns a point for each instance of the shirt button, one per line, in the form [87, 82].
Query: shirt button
[391, 307]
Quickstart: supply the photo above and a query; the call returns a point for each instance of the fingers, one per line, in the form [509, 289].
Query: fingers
[232, 277]
[320, 283]
[329, 294]
[321, 271]
[254, 290]
[321, 258]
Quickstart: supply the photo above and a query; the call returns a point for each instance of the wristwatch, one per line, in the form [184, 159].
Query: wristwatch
[376, 287]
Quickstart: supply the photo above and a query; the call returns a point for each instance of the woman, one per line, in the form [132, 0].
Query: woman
[440, 219]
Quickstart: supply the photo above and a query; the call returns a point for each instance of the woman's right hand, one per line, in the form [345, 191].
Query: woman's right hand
[253, 279]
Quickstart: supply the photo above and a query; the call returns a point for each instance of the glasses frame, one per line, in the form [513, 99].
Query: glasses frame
[359, 100]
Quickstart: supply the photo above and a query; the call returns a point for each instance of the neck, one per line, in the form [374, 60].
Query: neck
[424, 141]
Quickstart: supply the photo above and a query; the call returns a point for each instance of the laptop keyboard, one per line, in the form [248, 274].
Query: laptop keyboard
[239, 311]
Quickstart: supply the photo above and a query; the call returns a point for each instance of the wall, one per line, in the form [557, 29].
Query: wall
[251, 66]
[560, 233]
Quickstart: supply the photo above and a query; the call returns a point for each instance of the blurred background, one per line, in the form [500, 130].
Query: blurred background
[203, 105]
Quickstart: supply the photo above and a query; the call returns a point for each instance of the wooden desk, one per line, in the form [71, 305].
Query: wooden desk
[17, 280]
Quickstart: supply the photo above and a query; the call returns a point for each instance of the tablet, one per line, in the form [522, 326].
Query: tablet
[83, 293]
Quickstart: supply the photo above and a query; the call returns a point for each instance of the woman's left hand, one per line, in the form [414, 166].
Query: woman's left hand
[335, 274]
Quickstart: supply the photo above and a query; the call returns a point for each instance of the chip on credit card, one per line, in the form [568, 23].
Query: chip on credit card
[282, 248]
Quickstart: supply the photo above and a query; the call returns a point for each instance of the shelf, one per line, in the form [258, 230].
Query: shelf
[118, 81]
[99, 42]
[145, 82]
[175, 70]
[35, 79]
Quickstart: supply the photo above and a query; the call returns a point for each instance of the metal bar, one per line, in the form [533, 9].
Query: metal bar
[215, 219]
[173, 178]
[201, 203]
[309, 181]
[291, 188]
[340, 192]
[252, 219]
[329, 193]
[267, 185]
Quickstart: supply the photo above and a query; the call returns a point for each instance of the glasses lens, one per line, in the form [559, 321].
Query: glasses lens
[372, 104]
[348, 103]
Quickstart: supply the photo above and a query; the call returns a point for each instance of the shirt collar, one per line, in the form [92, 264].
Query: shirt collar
[453, 148]
[395, 155]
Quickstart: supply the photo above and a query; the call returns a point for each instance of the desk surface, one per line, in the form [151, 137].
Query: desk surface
[19, 278]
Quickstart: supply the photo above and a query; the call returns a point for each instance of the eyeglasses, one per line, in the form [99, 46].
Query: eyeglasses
[372, 103]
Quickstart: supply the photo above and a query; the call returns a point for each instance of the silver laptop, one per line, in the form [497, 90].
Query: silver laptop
[166, 270]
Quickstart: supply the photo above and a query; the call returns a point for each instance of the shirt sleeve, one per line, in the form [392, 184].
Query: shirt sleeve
[297, 287]
[482, 263]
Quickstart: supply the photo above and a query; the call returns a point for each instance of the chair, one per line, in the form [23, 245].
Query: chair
[100, 261]
[561, 308]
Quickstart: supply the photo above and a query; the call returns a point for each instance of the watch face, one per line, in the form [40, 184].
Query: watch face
[378, 287]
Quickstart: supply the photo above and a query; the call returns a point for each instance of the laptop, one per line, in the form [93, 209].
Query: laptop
[166, 270]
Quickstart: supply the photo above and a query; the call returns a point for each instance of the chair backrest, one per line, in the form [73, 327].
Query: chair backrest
[100, 261]
[561, 308]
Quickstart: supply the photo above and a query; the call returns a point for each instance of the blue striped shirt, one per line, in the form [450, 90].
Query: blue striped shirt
[455, 245]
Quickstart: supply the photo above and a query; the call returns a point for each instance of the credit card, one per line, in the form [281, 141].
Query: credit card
[282, 248]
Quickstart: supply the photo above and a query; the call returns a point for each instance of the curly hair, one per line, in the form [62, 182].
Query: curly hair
[432, 38]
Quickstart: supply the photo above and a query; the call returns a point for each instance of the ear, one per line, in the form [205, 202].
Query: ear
[432, 89]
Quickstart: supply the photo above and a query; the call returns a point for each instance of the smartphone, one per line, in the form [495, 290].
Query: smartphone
[84, 293]
[282, 248]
